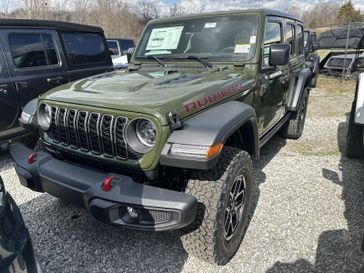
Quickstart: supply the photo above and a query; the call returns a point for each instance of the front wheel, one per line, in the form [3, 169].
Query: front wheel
[224, 197]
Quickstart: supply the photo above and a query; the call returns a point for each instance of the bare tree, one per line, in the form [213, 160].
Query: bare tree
[5, 6]
[176, 10]
[147, 10]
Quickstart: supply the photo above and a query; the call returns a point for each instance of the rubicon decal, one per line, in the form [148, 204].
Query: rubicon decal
[191, 106]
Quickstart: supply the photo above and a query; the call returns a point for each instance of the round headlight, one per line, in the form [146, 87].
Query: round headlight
[146, 132]
[44, 117]
[141, 135]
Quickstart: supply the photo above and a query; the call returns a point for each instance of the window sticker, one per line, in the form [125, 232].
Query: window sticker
[164, 38]
[210, 25]
[253, 39]
[242, 48]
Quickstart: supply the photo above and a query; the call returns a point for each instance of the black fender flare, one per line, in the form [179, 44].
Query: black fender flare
[297, 85]
[208, 128]
[28, 118]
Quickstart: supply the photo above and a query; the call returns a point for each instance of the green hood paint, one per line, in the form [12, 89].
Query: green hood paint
[152, 92]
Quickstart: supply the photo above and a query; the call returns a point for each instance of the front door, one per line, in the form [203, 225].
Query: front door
[269, 99]
[8, 103]
[34, 61]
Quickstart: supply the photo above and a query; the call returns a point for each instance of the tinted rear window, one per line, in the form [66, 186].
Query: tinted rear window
[85, 48]
[113, 47]
[125, 45]
[339, 62]
[32, 49]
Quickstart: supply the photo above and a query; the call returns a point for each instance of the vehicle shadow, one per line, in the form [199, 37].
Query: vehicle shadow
[69, 239]
[339, 250]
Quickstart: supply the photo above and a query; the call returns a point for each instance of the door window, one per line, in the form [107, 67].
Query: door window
[85, 48]
[290, 37]
[32, 49]
[300, 40]
[272, 35]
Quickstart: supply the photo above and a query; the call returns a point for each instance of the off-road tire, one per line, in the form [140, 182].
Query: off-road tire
[294, 126]
[354, 142]
[39, 146]
[314, 81]
[205, 237]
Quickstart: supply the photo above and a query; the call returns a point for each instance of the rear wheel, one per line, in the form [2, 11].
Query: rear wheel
[354, 143]
[224, 196]
[293, 128]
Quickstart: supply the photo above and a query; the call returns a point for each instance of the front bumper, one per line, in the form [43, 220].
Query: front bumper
[157, 209]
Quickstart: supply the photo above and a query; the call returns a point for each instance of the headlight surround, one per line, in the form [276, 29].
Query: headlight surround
[44, 116]
[141, 135]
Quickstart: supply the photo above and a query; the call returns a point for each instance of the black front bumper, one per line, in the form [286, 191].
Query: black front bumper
[156, 208]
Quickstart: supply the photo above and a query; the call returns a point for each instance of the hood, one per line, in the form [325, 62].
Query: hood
[153, 92]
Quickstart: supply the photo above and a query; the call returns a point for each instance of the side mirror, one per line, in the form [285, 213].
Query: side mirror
[315, 46]
[279, 54]
[129, 53]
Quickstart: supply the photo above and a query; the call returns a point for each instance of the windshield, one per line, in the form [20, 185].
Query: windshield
[339, 62]
[227, 38]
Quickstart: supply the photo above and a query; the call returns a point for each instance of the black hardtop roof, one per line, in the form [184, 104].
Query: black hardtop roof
[267, 12]
[59, 25]
[337, 37]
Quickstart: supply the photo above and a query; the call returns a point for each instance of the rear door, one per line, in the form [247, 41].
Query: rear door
[87, 54]
[34, 61]
[8, 103]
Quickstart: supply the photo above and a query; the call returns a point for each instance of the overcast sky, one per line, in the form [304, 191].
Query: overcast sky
[212, 5]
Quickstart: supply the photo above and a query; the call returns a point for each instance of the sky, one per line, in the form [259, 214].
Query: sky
[213, 5]
[192, 6]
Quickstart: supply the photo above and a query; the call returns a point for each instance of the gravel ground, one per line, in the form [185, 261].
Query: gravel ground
[308, 211]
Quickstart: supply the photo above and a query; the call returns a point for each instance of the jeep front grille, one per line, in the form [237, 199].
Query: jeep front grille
[100, 134]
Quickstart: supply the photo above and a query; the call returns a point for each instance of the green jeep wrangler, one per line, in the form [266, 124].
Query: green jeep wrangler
[168, 144]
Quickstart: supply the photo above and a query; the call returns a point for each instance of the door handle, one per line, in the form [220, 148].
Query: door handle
[4, 88]
[21, 85]
[55, 80]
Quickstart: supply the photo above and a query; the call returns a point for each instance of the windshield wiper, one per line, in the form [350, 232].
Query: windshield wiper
[151, 57]
[199, 59]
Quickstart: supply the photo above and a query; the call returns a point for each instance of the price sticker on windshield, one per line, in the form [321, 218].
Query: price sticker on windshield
[242, 48]
[164, 38]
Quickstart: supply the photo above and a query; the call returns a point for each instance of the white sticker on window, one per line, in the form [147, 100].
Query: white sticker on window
[242, 48]
[164, 38]
[210, 25]
[253, 39]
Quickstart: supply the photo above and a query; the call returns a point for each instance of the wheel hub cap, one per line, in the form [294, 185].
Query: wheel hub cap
[234, 208]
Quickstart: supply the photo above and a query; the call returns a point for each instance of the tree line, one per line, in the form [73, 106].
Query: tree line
[125, 18]
[326, 14]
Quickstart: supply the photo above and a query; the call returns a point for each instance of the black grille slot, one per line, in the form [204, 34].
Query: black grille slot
[120, 144]
[71, 125]
[54, 130]
[62, 125]
[107, 138]
[93, 128]
[82, 132]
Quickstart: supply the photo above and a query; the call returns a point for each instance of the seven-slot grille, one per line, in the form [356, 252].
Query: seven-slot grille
[90, 131]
